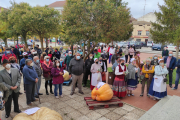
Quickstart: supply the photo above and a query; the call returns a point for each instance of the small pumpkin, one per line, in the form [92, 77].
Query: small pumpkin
[66, 75]
[104, 93]
[42, 114]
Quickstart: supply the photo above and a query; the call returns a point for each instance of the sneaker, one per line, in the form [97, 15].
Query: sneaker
[57, 97]
[132, 94]
[128, 95]
[141, 95]
[71, 93]
[173, 88]
[81, 92]
[61, 95]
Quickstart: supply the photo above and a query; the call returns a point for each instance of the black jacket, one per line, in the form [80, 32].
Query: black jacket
[57, 54]
[76, 67]
[88, 64]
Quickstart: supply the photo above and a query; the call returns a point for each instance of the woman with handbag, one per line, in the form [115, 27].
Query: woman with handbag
[147, 75]
[133, 75]
[158, 85]
[104, 69]
[119, 85]
[96, 74]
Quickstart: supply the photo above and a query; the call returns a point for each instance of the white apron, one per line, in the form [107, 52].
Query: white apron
[159, 84]
[96, 78]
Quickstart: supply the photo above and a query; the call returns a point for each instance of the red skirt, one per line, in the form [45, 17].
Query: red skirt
[92, 87]
[119, 88]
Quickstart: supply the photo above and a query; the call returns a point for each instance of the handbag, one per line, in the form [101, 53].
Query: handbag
[141, 77]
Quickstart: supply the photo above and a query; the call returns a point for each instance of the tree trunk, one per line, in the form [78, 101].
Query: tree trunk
[17, 42]
[25, 41]
[88, 48]
[5, 41]
[90, 52]
[41, 40]
[177, 50]
[84, 49]
[72, 49]
[46, 42]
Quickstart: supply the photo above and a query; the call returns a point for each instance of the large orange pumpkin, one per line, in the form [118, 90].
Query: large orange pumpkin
[42, 114]
[104, 93]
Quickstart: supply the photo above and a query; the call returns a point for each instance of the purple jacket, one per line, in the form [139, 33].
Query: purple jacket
[47, 70]
[57, 78]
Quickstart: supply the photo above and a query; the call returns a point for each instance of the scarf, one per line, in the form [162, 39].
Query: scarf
[47, 64]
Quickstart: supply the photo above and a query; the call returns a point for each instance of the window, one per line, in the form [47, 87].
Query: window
[147, 33]
[140, 25]
[138, 40]
[139, 32]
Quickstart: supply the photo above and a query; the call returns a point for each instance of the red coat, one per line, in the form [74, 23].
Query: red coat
[50, 55]
[46, 69]
[6, 56]
[57, 78]
[99, 50]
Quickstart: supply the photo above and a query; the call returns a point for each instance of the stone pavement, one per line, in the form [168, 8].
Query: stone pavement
[74, 107]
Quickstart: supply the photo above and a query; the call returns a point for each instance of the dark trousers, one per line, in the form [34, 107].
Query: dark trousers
[0, 59]
[13, 96]
[170, 76]
[130, 57]
[50, 85]
[126, 57]
[30, 93]
[87, 73]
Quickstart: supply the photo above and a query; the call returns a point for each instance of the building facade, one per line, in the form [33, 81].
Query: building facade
[141, 31]
[58, 5]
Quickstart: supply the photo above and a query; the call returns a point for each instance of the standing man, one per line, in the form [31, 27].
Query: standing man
[68, 59]
[38, 51]
[56, 54]
[11, 78]
[30, 78]
[36, 65]
[88, 64]
[165, 52]
[7, 54]
[97, 54]
[111, 52]
[104, 56]
[113, 58]
[170, 62]
[177, 75]
[76, 68]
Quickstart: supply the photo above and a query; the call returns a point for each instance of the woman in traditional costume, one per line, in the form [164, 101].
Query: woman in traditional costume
[104, 69]
[119, 85]
[158, 85]
[96, 74]
[133, 75]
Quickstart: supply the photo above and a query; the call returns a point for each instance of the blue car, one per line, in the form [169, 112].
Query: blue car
[157, 47]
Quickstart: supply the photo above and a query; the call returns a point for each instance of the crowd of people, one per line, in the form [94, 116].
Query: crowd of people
[33, 65]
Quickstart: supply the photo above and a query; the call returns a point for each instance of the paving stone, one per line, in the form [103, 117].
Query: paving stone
[123, 118]
[102, 111]
[75, 114]
[131, 116]
[68, 109]
[127, 107]
[112, 116]
[138, 112]
[60, 105]
[70, 102]
[65, 98]
[120, 111]
[76, 105]
[78, 98]
[73, 96]
[94, 115]
[45, 104]
[83, 118]
[85, 110]
[103, 118]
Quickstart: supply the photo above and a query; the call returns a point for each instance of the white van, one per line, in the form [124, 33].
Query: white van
[149, 43]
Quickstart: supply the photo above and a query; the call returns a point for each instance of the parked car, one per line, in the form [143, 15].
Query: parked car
[172, 47]
[158, 47]
[120, 44]
[143, 44]
[149, 43]
[136, 44]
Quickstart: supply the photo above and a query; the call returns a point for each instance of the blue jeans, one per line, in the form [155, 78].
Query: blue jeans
[56, 86]
[177, 80]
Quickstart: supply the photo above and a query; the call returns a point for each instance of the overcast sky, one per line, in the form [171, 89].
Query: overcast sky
[136, 6]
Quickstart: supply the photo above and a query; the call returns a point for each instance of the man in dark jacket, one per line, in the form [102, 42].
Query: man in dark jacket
[76, 69]
[68, 59]
[88, 64]
[113, 58]
[165, 52]
[30, 78]
[38, 50]
[56, 54]
[177, 75]
[47, 49]
[104, 56]
[170, 62]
